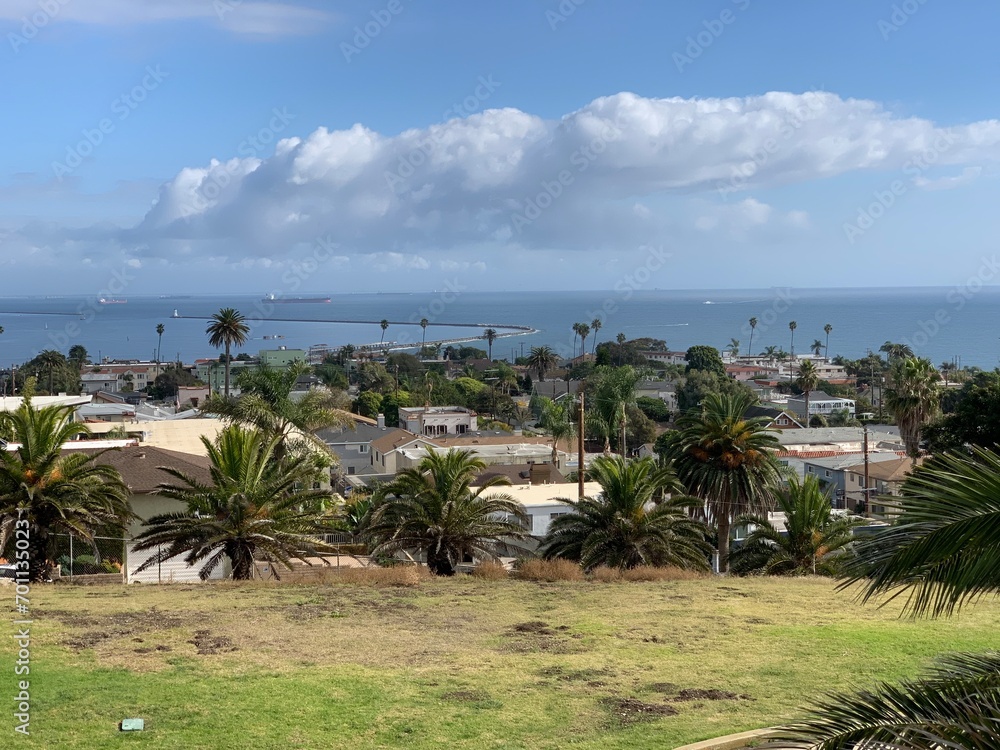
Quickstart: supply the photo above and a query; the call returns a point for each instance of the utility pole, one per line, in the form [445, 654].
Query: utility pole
[579, 448]
[867, 508]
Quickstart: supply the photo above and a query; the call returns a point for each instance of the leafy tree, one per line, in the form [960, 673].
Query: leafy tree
[254, 508]
[557, 418]
[629, 523]
[941, 553]
[698, 384]
[167, 382]
[331, 375]
[369, 404]
[227, 329]
[433, 509]
[654, 408]
[409, 366]
[706, 359]
[542, 359]
[727, 460]
[372, 376]
[46, 492]
[913, 396]
[974, 419]
[814, 541]
[639, 429]
[391, 405]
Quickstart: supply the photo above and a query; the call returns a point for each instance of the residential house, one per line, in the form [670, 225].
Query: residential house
[778, 419]
[884, 477]
[665, 390]
[820, 404]
[522, 474]
[353, 445]
[117, 376]
[828, 441]
[666, 357]
[746, 373]
[556, 389]
[438, 420]
[833, 473]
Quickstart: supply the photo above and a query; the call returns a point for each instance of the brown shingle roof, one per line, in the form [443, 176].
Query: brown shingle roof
[140, 466]
[886, 471]
[393, 440]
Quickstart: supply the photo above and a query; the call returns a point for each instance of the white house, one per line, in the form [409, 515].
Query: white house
[437, 420]
[820, 404]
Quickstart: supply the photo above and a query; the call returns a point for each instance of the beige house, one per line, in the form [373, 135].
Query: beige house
[885, 478]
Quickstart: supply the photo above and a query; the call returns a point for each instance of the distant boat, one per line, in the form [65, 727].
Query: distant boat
[176, 314]
[111, 301]
[707, 302]
[293, 300]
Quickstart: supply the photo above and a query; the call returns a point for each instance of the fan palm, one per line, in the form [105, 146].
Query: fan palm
[727, 460]
[490, 335]
[807, 380]
[734, 347]
[612, 392]
[542, 358]
[813, 542]
[54, 493]
[628, 525]
[384, 325]
[941, 553]
[816, 347]
[827, 329]
[595, 326]
[434, 510]
[159, 340]
[896, 351]
[227, 329]
[913, 394]
[266, 403]
[753, 327]
[791, 327]
[50, 359]
[253, 509]
[423, 324]
[556, 418]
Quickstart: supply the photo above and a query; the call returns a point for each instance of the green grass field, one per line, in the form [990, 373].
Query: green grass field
[463, 663]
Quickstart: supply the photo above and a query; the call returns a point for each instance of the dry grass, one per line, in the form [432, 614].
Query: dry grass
[490, 570]
[399, 575]
[645, 573]
[549, 571]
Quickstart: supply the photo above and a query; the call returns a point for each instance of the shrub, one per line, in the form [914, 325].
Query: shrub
[549, 570]
[490, 570]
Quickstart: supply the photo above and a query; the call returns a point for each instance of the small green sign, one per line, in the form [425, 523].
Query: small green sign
[132, 725]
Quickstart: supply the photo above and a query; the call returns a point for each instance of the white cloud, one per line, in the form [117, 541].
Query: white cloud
[251, 17]
[969, 174]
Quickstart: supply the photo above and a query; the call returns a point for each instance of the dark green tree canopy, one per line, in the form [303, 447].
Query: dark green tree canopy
[706, 359]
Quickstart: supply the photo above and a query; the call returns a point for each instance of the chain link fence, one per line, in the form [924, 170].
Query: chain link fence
[78, 557]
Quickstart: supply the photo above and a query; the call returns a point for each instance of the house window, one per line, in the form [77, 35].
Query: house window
[827, 473]
[362, 449]
[350, 470]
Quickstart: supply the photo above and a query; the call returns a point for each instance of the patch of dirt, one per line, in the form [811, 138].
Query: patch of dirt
[736, 591]
[208, 644]
[628, 711]
[72, 619]
[535, 626]
[576, 675]
[466, 696]
[120, 626]
[698, 694]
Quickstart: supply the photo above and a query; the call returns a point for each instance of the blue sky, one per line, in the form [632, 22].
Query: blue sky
[216, 145]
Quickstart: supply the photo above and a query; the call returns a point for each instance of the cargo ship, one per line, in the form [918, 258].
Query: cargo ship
[293, 300]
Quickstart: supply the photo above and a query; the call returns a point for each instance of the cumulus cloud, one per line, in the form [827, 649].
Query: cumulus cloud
[504, 177]
[253, 17]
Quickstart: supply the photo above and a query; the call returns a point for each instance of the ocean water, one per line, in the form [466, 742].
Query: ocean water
[945, 324]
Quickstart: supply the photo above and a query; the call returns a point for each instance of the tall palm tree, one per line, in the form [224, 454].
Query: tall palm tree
[78, 355]
[807, 380]
[542, 358]
[434, 510]
[50, 359]
[791, 327]
[896, 351]
[595, 326]
[816, 347]
[620, 340]
[266, 403]
[576, 334]
[159, 340]
[227, 329]
[490, 335]
[628, 524]
[254, 508]
[47, 492]
[584, 332]
[613, 391]
[813, 542]
[727, 460]
[913, 394]
[941, 553]
[557, 419]
[753, 327]
[827, 329]
[384, 325]
[423, 324]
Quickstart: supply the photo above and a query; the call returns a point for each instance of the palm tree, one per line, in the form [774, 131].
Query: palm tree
[727, 460]
[613, 392]
[791, 327]
[490, 335]
[941, 553]
[595, 325]
[816, 347]
[556, 418]
[620, 339]
[808, 380]
[254, 508]
[265, 403]
[814, 540]
[159, 340]
[434, 510]
[423, 324]
[734, 347]
[542, 358]
[78, 355]
[771, 352]
[753, 327]
[827, 329]
[913, 394]
[384, 325]
[896, 351]
[584, 332]
[50, 359]
[628, 524]
[227, 329]
[46, 492]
